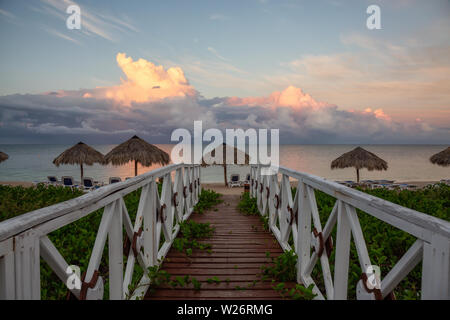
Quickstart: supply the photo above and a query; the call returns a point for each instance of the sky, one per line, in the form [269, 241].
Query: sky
[309, 68]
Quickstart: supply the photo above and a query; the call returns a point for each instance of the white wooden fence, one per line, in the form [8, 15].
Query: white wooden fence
[24, 240]
[299, 216]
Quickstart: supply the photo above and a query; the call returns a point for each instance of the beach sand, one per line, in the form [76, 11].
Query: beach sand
[25, 184]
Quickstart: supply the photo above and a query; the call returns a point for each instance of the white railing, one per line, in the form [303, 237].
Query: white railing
[299, 216]
[24, 240]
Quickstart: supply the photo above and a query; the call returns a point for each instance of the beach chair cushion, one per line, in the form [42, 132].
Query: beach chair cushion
[88, 183]
[114, 179]
[67, 181]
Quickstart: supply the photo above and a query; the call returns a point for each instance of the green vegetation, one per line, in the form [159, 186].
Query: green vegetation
[207, 200]
[282, 270]
[15, 201]
[247, 206]
[190, 233]
[385, 243]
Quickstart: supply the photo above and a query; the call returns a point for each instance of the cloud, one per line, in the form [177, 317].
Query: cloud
[159, 100]
[61, 35]
[7, 14]
[214, 52]
[289, 97]
[146, 82]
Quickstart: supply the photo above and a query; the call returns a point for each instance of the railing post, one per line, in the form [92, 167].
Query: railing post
[342, 256]
[115, 244]
[150, 226]
[8, 286]
[304, 231]
[27, 266]
[436, 269]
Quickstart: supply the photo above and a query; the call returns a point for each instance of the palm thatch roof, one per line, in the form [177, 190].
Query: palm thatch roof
[79, 154]
[139, 151]
[359, 158]
[3, 156]
[441, 158]
[136, 149]
[207, 159]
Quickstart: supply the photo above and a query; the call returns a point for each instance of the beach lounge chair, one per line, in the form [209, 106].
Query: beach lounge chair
[234, 181]
[114, 180]
[89, 184]
[68, 182]
[52, 180]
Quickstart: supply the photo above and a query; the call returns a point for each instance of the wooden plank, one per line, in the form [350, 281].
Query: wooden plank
[235, 258]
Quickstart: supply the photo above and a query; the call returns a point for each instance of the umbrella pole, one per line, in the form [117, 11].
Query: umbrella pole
[135, 168]
[225, 174]
[81, 169]
[357, 175]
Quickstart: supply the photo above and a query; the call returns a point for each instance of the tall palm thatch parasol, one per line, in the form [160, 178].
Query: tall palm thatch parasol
[80, 154]
[139, 151]
[3, 156]
[441, 158]
[359, 158]
[236, 152]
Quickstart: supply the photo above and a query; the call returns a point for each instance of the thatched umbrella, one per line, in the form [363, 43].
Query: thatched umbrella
[441, 158]
[139, 151]
[81, 154]
[3, 156]
[223, 161]
[359, 158]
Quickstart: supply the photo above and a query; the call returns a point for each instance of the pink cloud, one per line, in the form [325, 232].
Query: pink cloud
[145, 82]
[290, 97]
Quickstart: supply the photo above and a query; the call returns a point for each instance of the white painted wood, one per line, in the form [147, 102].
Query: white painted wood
[7, 276]
[27, 266]
[151, 232]
[115, 252]
[342, 254]
[304, 230]
[436, 269]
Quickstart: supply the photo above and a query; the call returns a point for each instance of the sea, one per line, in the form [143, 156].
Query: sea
[33, 163]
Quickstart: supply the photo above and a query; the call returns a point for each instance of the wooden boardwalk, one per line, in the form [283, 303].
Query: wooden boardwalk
[239, 247]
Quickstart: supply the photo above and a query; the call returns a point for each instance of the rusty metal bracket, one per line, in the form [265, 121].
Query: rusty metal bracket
[260, 187]
[190, 187]
[268, 192]
[174, 199]
[277, 197]
[293, 215]
[86, 285]
[162, 216]
[329, 246]
[375, 291]
[321, 242]
[184, 192]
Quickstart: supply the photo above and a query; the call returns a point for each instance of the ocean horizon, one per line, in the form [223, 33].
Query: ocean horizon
[407, 162]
